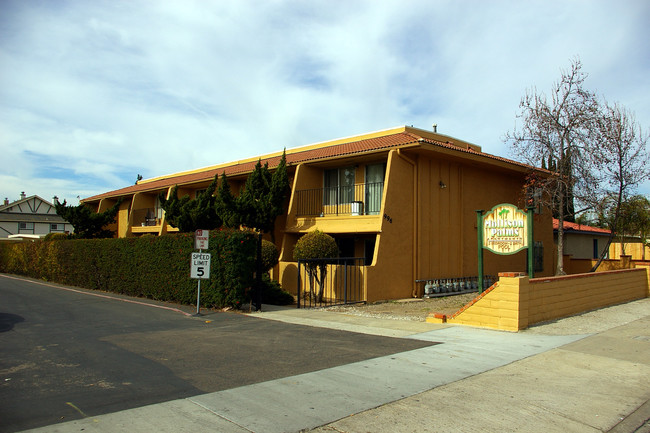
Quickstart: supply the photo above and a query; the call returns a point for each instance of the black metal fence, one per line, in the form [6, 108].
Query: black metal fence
[328, 282]
[360, 199]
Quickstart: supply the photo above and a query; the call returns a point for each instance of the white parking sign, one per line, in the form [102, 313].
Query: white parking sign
[200, 266]
[201, 239]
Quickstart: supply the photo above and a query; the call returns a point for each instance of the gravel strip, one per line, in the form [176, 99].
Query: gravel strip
[417, 310]
[407, 309]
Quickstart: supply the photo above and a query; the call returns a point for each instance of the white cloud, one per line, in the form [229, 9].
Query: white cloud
[93, 93]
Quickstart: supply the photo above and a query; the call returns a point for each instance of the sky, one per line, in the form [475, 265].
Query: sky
[93, 93]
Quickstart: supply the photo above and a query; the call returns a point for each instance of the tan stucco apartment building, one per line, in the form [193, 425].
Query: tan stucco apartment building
[405, 199]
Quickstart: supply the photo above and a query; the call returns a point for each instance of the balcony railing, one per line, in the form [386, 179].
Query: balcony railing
[360, 199]
[146, 217]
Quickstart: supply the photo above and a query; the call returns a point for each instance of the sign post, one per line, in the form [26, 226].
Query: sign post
[531, 243]
[201, 271]
[479, 232]
[504, 230]
[200, 262]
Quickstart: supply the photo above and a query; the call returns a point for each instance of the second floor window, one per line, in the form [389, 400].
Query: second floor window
[375, 174]
[339, 186]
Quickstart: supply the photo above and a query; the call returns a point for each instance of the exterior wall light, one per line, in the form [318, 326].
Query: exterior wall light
[443, 185]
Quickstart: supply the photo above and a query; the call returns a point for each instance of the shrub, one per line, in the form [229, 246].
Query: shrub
[232, 269]
[273, 294]
[56, 237]
[270, 255]
[148, 266]
[315, 245]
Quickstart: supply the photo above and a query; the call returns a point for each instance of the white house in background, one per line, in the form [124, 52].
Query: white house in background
[30, 217]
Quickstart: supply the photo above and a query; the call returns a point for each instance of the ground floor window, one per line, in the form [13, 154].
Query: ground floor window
[357, 246]
[26, 228]
[57, 227]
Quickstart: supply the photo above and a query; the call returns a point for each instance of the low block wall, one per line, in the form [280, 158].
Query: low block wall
[516, 302]
[579, 266]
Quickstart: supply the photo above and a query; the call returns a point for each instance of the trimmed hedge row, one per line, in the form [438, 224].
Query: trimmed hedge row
[148, 266]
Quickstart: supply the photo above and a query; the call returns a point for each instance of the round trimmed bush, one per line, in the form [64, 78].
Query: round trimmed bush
[270, 255]
[56, 237]
[315, 245]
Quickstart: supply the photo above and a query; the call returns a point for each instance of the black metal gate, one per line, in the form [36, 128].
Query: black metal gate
[328, 282]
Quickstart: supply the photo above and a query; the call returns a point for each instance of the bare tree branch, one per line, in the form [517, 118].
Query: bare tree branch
[621, 160]
[558, 133]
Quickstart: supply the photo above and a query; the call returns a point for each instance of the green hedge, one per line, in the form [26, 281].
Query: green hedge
[148, 266]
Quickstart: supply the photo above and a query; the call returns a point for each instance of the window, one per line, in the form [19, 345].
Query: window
[339, 186]
[374, 188]
[26, 228]
[57, 227]
[158, 209]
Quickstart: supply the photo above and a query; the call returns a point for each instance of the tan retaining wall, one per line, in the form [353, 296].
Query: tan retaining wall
[516, 302]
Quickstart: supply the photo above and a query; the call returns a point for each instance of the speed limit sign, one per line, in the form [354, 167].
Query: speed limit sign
[200, 266]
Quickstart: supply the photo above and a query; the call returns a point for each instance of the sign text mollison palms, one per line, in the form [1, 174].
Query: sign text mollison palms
[504, 230]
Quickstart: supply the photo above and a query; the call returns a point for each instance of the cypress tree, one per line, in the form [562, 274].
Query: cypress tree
[258, 205]
[189, 214]
[88, 224]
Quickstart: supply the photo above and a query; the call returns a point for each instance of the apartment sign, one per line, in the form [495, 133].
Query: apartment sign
[505, 229]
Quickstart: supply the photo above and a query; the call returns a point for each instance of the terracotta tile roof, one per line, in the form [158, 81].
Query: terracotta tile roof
[295, 157]
[575, 227]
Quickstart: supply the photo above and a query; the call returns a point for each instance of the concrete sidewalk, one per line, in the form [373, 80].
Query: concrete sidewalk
[556, 377]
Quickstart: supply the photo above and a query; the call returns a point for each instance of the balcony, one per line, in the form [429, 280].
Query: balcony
[359, 199]
[147, 217]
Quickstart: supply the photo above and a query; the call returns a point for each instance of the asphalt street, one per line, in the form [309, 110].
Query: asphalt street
[68, 354]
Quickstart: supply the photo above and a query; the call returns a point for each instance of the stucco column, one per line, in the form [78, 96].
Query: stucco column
[514, 295]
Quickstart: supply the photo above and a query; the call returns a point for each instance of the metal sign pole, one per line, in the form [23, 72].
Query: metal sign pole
[198, 294]
[531, 244]
[201, 242]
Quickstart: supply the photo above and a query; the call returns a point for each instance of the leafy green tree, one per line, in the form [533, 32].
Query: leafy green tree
[263, 196]
[631, 218]
[257, 207]
[88, 224]
[316, 245]
[188, 214]
[226, 204]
